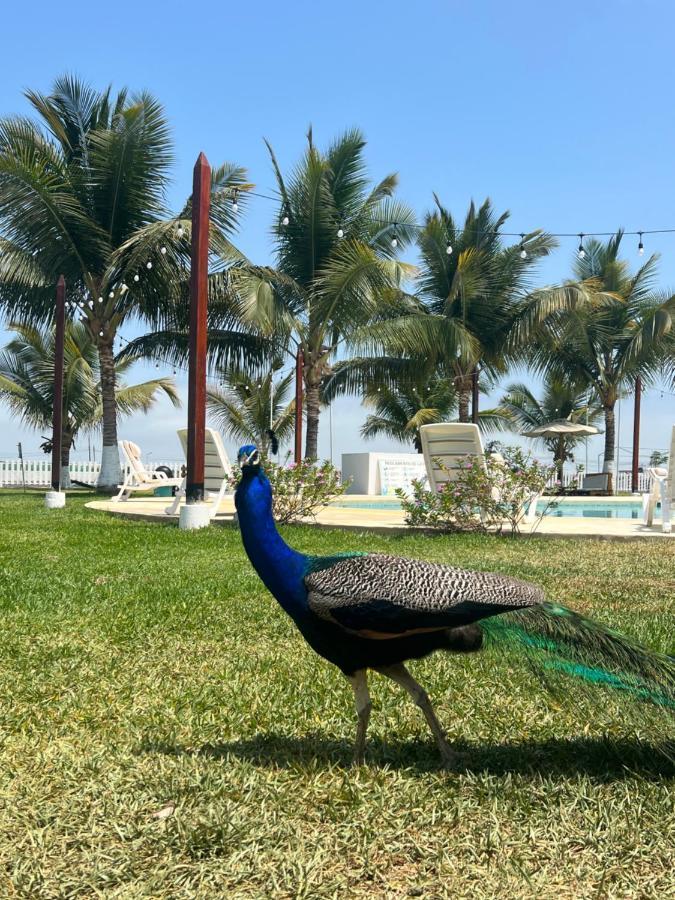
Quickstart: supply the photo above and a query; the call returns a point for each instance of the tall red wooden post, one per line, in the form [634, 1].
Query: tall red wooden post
[57, 410]
[299, 372]
[201, 197]
[636, 435]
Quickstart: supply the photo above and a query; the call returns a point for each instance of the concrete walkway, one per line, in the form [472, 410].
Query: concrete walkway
[377, 517]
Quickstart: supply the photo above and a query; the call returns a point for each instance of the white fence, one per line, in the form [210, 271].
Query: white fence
[38, 472]
[622, 483]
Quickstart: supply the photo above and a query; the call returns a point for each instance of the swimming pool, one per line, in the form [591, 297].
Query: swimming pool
[624, 508]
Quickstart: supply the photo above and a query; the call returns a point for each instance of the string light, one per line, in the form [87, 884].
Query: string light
[581, 251]
[162, 250]
[100, 299]
[148, 265]
[523, 251]
[235, 204]
[641, 246]
[137, 277]
[180, 231]
[394, 240]
[111, 295]
[448, 249]
[340, 232]
[285, 221]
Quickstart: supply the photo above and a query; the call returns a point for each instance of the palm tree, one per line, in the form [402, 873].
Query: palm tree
[624, 330]
[470, 294]
[399, 412]
[560, 400]
[248, 406]
[403, 394]
[27, 384]
[83, 194]
[336, 245]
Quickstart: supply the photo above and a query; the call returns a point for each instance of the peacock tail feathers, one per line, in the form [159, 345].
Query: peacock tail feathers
[557, 641]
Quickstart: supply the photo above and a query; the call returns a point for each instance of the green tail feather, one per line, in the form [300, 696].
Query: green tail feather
[557, 640]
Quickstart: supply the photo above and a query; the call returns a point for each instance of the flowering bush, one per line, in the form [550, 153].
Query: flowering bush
[300, 489]
[480, 496]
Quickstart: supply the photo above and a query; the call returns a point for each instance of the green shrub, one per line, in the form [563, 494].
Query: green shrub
[480, 496]
[300, 489]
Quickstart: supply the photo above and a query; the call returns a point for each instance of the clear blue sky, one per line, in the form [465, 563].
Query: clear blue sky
[561, 113]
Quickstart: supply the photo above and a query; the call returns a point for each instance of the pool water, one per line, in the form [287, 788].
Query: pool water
[585, 509]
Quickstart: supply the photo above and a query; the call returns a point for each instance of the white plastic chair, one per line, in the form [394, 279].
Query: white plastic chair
[217, 471]
[137, 477]
[450, 443]
[661, 487]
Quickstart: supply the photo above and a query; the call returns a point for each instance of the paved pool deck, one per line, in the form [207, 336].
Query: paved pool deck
[377, 517]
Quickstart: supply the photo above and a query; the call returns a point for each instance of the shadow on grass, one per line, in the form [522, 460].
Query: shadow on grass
[600, 758]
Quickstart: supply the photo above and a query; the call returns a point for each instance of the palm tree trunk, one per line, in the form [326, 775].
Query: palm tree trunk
[608, 460]
[312, 406]
[111, 473]
[464, 386]
[560, 459]
[66, 441]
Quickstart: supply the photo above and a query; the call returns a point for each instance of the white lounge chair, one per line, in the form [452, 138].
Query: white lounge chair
[137, 477]
[450, 443]
[662, 487]
[217, 471]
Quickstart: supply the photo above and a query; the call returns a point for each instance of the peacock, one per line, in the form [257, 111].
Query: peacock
[364, 611]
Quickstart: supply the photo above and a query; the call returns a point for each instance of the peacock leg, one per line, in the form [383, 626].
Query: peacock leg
[402, 676]
[359, 683]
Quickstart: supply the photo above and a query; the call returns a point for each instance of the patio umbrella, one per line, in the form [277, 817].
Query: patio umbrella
[557, 431]
[561, 427]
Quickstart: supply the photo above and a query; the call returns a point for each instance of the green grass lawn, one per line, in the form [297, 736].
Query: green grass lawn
[167, 734]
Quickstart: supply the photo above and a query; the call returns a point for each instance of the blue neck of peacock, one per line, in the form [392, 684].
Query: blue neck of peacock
[281, 569]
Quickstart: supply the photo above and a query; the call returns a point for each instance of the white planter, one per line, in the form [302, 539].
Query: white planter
[55, 499]
[194, 515]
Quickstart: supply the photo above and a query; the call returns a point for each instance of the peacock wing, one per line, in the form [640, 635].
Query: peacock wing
[380, 596]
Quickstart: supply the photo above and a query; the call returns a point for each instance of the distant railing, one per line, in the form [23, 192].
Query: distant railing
[622, 483]
[38, 472]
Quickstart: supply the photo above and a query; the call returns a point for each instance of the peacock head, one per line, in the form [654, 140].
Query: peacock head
[254, 492]
[249, 459]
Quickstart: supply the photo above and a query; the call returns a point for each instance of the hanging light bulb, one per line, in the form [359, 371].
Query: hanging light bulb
[100, 334]
[394, 240]
[148, 265]
[581, 251]
[285, 220]
[111, 295]
[91, 304]
[448, 249]
[340, 232]
[137, 277]
[235, 205]
[162, 250]
[641, 246]
[180, 231]
[100, 299]
[523, 251]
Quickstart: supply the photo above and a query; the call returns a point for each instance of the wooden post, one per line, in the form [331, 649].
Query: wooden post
[299, 371]
[57, 408]
[201, 197]
[474, 396]
[636, 436]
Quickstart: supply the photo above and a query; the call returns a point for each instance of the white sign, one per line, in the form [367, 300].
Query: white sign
[400, 472]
